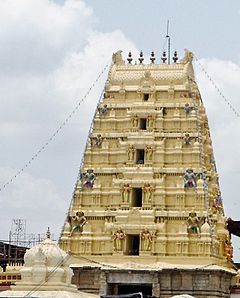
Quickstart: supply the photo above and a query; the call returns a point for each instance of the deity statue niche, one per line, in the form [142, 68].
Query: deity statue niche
[147, 239]
[150, 121]
[125, 190]
[88, 179]
[148, 152]
[148, 190]
[102, 110]
[131, 153]
[76, 222]
[189, 179]
[135, 121]
[193, 223]
[118, 238]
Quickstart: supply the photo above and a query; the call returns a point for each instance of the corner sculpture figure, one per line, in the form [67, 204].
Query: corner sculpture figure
[88, 179]
[77, 222]
[98, 141]
[193, 223]
[147, 238]
[187, 108]
[187, 139]
[118, 237]
[228, 250]
[189, 179]
[102, 110]
[217, 205]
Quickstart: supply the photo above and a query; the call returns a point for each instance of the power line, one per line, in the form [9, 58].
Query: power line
[49, 140]
[217, 88]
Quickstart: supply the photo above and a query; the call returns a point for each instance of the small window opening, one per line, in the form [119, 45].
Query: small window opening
[143, 123]
[137, 197]
[140, 156]
[145, 96]
[132, 245]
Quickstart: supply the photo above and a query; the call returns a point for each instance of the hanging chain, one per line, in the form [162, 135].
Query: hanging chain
[45, 145]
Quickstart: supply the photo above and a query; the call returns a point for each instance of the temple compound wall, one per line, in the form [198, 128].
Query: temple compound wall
[164, 283]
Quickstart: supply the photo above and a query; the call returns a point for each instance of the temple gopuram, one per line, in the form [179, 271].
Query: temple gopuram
[147, 213]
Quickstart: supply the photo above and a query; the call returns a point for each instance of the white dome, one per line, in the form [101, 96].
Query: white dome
[46, 266]
[50, 250]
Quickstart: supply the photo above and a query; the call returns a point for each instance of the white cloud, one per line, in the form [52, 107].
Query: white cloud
[36, 35]
[34, 199]
[49, 56]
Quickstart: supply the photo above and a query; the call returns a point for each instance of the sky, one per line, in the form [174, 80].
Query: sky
[50, 54]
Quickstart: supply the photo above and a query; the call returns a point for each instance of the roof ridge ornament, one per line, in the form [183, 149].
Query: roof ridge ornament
[188, 57]
[117, 58]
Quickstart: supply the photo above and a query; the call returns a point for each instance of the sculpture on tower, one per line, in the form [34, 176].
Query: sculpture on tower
[76, 222]
[190, 179]
[87, 179]
[118, 238]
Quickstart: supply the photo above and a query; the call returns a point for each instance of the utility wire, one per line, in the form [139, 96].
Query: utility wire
[44, 146]
[217, 88]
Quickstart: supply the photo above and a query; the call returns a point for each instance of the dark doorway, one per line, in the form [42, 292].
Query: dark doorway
[140, 156]
[132, 247]
[143, 123]
[129, 289]
[145, 96]
[137, 197]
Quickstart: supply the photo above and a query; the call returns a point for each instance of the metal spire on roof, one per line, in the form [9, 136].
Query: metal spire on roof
[169, 42]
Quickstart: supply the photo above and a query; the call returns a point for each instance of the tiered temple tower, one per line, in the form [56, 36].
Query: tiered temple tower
[147, 212]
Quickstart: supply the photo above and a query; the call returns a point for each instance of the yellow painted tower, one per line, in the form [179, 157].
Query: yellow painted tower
[147, 212]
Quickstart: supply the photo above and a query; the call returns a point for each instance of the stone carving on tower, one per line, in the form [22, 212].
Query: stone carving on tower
[148, 185]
